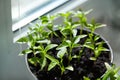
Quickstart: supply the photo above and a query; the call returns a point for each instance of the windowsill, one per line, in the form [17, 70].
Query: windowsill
[71, 5]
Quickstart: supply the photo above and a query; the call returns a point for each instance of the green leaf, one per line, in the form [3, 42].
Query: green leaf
[37, 25]
[69, 68]
[55, 34]
[100, 43]
[37, 47]
[30, 37]
[27, 51]
[61, 52]
[52, 17]
[77, 38]
[66, 14]
[75, 56]
[75, 26]
[86, 78]
[44, 19]
[51, 65]
[90, 46]
[51, 58]
[100, 25]
[87, 12]
[50, 46]
[118, 78]
[93, 58]
[30, 28]
[61, 46]
[50, 26]
[99, 49]
[44, 41]
[78, 14]
[34, 60]
[96, 38]
[31, 43]
[64, 44]
[68, 42]
[43, 62]
[65, 31]
[45, 34]
[75, 45]
[107, 75]
[112, 72]
[98, 79]
[68, 24]
[83, 20]
[22, 40]
[103, 49]
[117, 70]
[37, 52]
[74, 32]
[93, 22]
[97, 53]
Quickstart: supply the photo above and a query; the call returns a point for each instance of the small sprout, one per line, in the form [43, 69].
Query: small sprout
[86, 78]
[61, 52]
[77, 38]
[66, 14]
[34, 60]
[69, 68]
[22, 40]
[94, 25]
[111, 72]
[97, 47]
[27, 51]
[50, 46]
[51, 65]
[93, 58]
[74, 32]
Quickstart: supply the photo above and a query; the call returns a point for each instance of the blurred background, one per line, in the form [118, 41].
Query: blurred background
[13, 67]
[108, 12]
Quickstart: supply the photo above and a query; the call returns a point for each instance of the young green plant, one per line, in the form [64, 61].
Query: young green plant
[92, 40]
[112, 72]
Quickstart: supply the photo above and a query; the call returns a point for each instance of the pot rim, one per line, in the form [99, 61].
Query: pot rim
[29, 68]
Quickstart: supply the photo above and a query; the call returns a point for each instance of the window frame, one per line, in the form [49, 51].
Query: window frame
[21, 23]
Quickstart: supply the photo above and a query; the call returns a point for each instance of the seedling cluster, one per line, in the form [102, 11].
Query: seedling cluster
[50, 44]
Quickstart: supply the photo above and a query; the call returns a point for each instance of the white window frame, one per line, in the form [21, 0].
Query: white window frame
[38, 13]
[71, 5]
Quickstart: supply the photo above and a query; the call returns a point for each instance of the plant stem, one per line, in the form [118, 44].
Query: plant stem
[62, 66]
[70, 54]
[81, 30]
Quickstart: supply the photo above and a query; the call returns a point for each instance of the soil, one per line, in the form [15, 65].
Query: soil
[82, 67]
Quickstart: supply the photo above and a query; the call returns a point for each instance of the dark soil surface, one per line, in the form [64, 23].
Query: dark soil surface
[82, 67]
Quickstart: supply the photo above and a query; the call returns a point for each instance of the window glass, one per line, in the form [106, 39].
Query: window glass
[24, 11]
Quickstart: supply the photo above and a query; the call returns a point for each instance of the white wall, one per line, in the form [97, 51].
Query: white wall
[12, 67]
